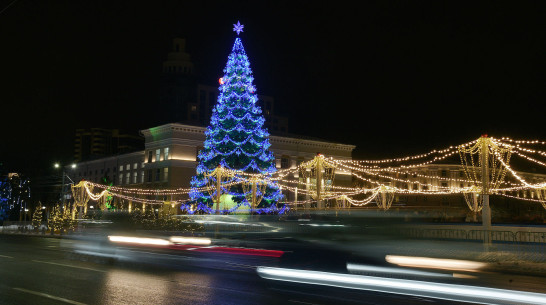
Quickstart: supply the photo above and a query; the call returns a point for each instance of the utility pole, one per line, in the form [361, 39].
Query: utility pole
[218, 188]
[253, 203]
[62, 190]
[319, 169]
[296, 198]
[486, 210]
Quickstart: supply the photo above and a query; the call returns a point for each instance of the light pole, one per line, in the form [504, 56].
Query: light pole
[57, 165]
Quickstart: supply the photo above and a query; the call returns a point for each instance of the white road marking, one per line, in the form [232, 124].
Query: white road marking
[71, 266]
[49, 296]
[6, 256]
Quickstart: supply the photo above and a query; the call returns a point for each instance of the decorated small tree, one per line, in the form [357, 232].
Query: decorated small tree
[137, 216]
[67, 222]
[236, 140]
[149, 219]
[37, 218]
[55, 221]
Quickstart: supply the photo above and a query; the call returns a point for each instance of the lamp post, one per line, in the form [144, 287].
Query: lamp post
[57, 165]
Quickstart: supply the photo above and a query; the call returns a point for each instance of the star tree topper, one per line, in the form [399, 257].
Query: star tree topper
[238, 27]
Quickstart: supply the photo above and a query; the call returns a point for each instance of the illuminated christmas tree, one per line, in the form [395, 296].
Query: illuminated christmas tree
[67, 222]
[37, 217]
[235, 140]
[55, 220]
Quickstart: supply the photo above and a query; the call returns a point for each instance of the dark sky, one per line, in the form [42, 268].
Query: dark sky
[391, 77]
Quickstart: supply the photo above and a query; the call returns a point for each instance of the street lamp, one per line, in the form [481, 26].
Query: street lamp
[63, 196]
[57, 165]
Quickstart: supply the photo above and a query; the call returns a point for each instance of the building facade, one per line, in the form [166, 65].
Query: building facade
[169, 159]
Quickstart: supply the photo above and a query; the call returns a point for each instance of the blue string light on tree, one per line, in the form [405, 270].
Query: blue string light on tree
[235, 139]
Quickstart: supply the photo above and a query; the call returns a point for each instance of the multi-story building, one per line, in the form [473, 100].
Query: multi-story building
[169, 159]
[95, 143]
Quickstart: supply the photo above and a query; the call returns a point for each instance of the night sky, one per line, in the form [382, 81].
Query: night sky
[393, 78]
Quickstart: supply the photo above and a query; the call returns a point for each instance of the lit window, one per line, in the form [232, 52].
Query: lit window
[128, 178]
[120, 179]
[157, 155]
[135, 177]
[166, 153]
[142, 177]
[120, 168]
[135, 166]
[165, 174]
[128, 167]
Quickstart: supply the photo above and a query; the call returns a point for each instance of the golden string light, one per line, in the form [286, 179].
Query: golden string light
[409, 158]
[527, 199]
[435, 159]
[375, 172]
[530, 159]
[412, 182]
[523, 141]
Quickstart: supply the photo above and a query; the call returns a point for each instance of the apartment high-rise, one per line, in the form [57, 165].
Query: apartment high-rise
[93, 143]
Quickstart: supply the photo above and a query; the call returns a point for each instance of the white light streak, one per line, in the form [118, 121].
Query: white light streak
[139, 240]
[435, 263]
[190, 240]
[460, 293]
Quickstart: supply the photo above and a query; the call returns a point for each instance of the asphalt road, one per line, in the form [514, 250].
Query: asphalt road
[38, 270]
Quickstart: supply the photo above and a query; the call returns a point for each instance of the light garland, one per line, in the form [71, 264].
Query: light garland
[357, 169]
[523, 141]
[409, 158]
[526, 199]
[530, 159]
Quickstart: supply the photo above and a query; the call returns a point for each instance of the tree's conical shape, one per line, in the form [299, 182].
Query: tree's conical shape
[236, 138]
